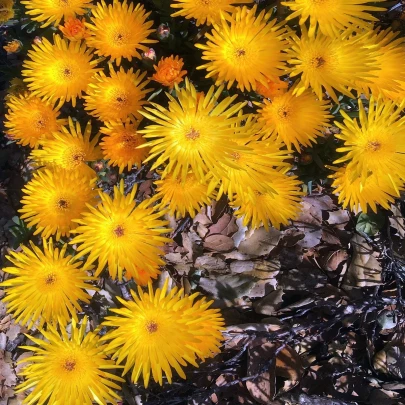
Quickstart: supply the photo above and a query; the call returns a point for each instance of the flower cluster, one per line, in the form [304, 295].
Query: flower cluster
[262, 91]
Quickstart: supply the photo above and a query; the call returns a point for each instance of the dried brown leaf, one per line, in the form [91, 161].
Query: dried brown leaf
[260, 242]
[219, 243]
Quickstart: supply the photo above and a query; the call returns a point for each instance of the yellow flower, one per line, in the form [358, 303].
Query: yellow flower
[162, 330]
[357, 196]
[6, 3]
[272, 88]
[120, 144]
[245, 48]
[120, 30]
[122, 235]
[183, 198]
[74, 29]
[333, 16]
[54, 199]
[30, 120]
[330, 63]
[68, 369]
[295, 119]
[6, 10]
[70, 150]
[205, 11]
[52, 11]
[47, 286]
[61, 70]
[252, 162]
[374, 144]
[275, 207]
[118, 96]
[193, 132]
[388, 75]
[168, 71]
[13, 46]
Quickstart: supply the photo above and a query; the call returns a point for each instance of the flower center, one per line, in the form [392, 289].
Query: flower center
[69, 364]
[67, 73]
[78, 157]
[318, 62]
[193, 134]
[235, 155]
[373, 146]
[284, 112]
[62, 204]
[240, 52]
[50, 279]
[129, 141]
[119, 231]
[120, 38]
[151, 327]
[120, 99]
[40, 122]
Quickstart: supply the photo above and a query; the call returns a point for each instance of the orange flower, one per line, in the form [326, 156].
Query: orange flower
[273, 89]
[74, 29]
[13, 46]
[168, 71]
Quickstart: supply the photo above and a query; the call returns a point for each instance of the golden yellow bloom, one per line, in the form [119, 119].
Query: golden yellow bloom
[61, 70]
[69, 150]
[162, 330]
[193, 133]
[30, 120]
[68, 369]
[357, 196]
[297, 120]
[245, 49]
[183, 198]
[168, 71]
[374, 144]
[13, 46]
[74, 29]
[205, 11]
[47, 286]
[252, 163]
[273, 87]
[52, 11]
[54, 199]
[118, 96]
[6, 3]
[120, 144]
[330, 63]
[275, 207]
[120, 30]
[333, 16]
[6, 10]
[389, 70]
[122, 234]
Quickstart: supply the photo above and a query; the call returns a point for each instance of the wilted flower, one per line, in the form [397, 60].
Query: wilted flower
[13, 46]
[163, 31]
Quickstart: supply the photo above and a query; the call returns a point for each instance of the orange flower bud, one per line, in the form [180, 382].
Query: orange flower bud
[273, 89]
[168, 71]
[74, 29]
